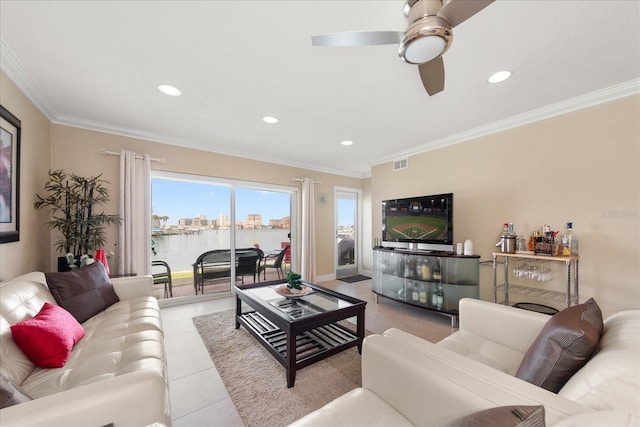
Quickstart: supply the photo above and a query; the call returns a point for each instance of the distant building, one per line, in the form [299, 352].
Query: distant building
[253, 221]
[185, 222]
[198, 222]
[223, 221]
[283, 223]
[275, 223]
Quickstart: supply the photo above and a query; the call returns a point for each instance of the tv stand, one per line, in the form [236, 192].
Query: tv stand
[410, 277]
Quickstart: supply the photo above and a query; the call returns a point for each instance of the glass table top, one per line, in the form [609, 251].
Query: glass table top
[310, 304]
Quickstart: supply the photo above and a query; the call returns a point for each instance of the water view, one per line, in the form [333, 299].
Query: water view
[181, 250]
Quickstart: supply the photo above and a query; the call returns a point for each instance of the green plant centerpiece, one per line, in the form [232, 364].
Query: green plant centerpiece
[294, 282]
[72, 201]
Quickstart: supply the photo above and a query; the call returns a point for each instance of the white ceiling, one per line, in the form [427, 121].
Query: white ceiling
[97, 64]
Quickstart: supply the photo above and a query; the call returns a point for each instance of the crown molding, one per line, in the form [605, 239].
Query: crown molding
[11, 65]
[611, 93]
[93, 125]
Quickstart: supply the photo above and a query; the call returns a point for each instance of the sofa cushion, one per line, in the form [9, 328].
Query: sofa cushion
[504, 416]
[611, 379]
[84, 292]
[22, 298]
[47, 338]
[10, 393]
[485, 351]
[124, 338]
[358, 407]
[565, 344]
[14, 364]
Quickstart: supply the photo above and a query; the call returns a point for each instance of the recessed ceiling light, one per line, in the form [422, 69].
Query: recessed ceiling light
[270, 119]
[169, 90]
[346, 142]
[500, 76]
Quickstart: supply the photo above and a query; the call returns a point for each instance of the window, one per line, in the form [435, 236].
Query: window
[192, 215]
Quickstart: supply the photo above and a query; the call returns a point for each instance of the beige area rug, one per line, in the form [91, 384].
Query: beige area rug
[257, 383]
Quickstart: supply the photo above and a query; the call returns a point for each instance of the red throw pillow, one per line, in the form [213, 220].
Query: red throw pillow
[47, 338]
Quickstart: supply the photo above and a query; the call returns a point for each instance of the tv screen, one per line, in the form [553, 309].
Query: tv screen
[426, 219]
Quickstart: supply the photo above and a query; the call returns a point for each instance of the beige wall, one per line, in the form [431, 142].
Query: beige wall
[78, 150]
[31, 252]
[581, 166]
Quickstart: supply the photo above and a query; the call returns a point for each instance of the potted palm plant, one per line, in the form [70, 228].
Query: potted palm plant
[72, 201]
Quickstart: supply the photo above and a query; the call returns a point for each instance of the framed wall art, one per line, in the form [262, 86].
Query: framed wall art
[10, 129]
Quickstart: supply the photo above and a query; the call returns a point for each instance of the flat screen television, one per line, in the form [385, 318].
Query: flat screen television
[425, 219]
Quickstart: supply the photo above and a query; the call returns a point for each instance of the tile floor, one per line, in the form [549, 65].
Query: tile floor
[198, 396]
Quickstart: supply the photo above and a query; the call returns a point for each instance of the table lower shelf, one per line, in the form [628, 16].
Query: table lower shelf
[535, 292]
[313, 343]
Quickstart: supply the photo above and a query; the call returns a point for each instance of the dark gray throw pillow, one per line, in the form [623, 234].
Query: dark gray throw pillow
[565, 344]
[504, 416]
[84, 292]
[10, 393]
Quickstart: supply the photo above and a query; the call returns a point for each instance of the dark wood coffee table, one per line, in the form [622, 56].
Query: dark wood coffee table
[306, 327]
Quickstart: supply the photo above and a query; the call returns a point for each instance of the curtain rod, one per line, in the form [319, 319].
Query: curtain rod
[302, 180]
[115, 153]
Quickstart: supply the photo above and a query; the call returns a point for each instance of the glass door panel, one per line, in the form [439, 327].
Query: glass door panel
[263, 220]
[189, 219]
[346, 206]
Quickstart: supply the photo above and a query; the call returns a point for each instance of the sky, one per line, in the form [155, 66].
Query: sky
[180, 199]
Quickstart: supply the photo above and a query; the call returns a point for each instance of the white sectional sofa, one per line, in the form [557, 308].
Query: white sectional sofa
[408, 381]
[115, 375]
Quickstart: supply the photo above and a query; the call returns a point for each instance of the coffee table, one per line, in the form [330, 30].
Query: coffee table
[303, 330]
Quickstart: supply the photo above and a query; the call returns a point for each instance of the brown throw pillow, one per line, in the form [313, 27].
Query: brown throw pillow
[504, 416]
[10, 393]
[565, 344]
[84, 292]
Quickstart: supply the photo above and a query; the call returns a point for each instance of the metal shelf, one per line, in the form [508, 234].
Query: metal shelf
[567, 296]
[536, 293]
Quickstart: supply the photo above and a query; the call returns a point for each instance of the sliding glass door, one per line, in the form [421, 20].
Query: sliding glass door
[199, 221]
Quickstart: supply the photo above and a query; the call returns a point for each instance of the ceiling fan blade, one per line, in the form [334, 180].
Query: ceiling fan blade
[357, 38]
[458, 11]
[432, 75]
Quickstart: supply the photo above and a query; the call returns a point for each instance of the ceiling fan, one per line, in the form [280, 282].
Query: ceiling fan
[427, 38]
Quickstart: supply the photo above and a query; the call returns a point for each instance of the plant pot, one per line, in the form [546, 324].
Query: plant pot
[63, 265]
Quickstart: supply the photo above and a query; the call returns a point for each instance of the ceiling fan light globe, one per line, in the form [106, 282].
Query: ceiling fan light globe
[425, 40]
[424, 49]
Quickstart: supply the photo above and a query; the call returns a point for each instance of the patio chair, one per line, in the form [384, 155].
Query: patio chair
[275, 263]
[248, 264]
[162, 277]
[211, 267]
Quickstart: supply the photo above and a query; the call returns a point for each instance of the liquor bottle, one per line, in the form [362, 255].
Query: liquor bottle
[434, 295]
[566, 249]
[532, 240]
[440, 296]
[505, 230]
[423, 293]
[415, 296]
[426, 271]
[572, 239]
[437, 272]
